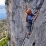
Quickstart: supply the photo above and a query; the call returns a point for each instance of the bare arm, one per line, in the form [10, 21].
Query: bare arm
[36, 15]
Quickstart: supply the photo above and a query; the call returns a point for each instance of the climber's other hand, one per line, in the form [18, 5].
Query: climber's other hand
[38, 12]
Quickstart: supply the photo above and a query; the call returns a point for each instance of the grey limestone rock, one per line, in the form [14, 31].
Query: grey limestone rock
[17, 24]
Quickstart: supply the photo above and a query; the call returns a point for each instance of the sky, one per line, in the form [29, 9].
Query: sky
[2, 2]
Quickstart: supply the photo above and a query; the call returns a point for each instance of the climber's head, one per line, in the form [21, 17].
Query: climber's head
[28, 11]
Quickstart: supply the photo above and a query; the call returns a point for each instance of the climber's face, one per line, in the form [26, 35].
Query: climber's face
[28, 11]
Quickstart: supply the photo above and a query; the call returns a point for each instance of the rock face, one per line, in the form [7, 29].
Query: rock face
[17, 24]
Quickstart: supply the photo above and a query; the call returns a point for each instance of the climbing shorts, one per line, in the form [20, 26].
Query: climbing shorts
[29, 24]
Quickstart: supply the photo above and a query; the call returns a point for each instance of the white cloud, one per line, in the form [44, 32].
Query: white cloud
[2, 2]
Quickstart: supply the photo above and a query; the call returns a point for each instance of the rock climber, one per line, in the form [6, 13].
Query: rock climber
[29, 18]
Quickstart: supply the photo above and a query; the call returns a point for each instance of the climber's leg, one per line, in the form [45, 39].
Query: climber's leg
[29, 31]
[28, 28]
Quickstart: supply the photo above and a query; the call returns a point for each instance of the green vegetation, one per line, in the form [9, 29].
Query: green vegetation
[4, 42]
[3, 33]
[3, 28]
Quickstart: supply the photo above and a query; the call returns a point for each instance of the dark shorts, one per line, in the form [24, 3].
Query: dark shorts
[29, 26]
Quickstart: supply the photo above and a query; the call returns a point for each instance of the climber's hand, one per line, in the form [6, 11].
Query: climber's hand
[36, 15]
[38, 11]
